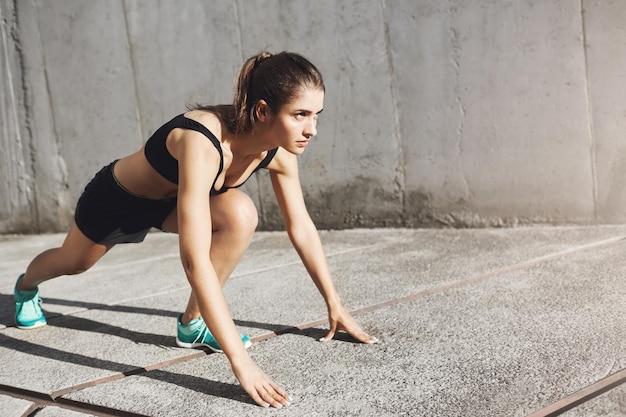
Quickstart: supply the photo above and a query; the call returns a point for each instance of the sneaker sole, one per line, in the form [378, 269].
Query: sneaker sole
[182, 344]
[34, 326]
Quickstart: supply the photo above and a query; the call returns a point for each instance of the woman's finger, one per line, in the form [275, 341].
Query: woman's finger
[274, 396]
[331, 332]
[257, 398]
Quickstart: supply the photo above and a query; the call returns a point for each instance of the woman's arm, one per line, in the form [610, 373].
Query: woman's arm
[306, 241]
[198, 165]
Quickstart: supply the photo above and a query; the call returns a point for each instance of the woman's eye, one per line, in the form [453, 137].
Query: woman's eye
[300, 115]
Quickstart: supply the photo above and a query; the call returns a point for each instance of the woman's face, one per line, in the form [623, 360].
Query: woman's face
[296, 122]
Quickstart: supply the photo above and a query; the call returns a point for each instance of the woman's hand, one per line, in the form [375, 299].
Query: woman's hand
[340, 319]
[306, 241]
[259, 386]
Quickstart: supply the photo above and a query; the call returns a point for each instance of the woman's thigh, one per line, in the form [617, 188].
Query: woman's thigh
[76, 255]
[80, 252]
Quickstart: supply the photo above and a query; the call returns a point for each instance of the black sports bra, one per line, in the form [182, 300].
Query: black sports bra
[167, 166]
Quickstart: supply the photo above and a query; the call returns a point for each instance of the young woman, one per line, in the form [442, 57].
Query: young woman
[184, 180]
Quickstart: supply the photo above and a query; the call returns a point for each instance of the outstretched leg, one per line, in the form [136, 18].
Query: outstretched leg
[77, 254]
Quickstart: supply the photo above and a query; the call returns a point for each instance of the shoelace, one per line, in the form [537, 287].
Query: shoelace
[31, 306]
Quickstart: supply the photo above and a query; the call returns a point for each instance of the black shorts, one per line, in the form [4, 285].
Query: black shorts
[108, 214]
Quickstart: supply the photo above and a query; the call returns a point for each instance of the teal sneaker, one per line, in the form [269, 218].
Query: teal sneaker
[28, 313]
[196, 334]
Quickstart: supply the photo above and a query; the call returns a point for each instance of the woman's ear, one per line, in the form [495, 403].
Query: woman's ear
[261, 111]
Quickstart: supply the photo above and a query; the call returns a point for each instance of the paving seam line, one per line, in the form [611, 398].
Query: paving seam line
[555, 409]
[197, 353]
[57, 395]
[457, 284]
[41, 400]
[582, 396]
[486, 276]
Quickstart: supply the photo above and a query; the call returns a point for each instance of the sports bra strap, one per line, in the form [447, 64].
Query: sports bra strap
[266, 161]
[167, 166]
[160, 158]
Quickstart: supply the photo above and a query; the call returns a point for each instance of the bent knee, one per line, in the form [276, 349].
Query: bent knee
[77, 268]
[237, 214]
[78, 265]
[243, 218]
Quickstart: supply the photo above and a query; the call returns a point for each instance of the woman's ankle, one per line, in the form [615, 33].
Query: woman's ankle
[22, 284]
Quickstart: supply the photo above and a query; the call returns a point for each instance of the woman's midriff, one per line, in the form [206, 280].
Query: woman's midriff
[135, 174]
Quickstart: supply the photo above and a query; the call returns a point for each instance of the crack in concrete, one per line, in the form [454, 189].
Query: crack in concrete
[63, 190]
[258, 180]
[590, 126]
[24, 183]
[400, 179]
[131, 56]
[238, 27]
[456, 66]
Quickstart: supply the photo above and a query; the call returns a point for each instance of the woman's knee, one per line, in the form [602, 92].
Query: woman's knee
[78, 266]
[74, 263]
[56, 262]
[236, 213]
[243, 217]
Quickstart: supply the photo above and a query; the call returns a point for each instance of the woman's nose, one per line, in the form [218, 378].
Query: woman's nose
[311, 129]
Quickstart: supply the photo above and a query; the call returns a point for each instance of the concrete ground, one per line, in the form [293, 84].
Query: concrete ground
[488, 322]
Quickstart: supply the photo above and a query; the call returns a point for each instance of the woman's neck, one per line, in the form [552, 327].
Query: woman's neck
[249, 143]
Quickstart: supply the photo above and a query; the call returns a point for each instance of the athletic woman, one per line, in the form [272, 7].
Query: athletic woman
[185, 180]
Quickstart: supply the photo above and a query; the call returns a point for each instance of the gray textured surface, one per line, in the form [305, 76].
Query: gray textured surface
[611, 404]
[456, 113]
[471, 322]
[13, 407]
[51, 411]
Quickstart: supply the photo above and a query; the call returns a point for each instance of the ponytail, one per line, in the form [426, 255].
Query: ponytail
[275, 78]
[243, 108]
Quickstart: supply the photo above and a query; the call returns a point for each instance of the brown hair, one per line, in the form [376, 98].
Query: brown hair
[275, 78]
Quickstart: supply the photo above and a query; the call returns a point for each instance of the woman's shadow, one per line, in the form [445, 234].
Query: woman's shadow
[201, 385]
[7, 319]
[214, 388]
[7, 311]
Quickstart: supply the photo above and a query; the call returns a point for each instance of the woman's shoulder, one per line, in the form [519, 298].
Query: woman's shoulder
[208, 119]
[201, 131]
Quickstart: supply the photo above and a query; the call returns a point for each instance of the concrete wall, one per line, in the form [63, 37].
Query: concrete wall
[455, 113]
